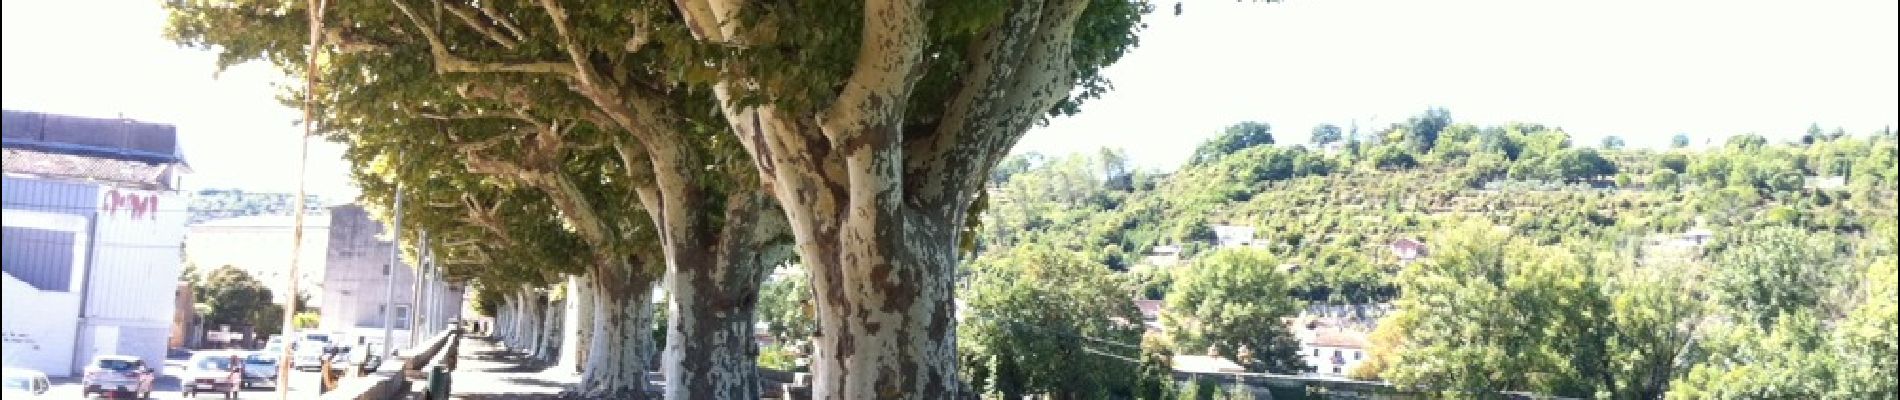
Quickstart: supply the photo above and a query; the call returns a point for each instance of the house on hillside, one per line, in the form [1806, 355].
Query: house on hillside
[1695, 237]
[1330, 349]
[1163, 255]
[1228, 236]
[1409, 250]
[94, 224]
[1150, 314]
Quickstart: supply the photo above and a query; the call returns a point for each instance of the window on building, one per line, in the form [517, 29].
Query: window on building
[1357, 355]
[1335, 369]
[385, 269]
[402, 316]
[1316, 352]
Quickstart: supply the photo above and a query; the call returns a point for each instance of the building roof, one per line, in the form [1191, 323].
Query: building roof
[108, 138]
[1339, 338]
[1149, 308]
[137, 174]
[268, 221]
[1205, 364]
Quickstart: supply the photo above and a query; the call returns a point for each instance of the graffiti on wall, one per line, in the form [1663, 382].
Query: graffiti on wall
[21, 338]
[138, 205]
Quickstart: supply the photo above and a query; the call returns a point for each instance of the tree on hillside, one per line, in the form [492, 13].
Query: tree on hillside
[1233, 139]
[1612, 142]
[1232, 301]
[1324, 134]
[1681, 140]
[1534, 324]
[1421, 131]
[1047, 322]
[1763, 274]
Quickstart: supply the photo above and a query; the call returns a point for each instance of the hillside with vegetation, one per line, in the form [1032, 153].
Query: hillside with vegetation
[214, 204]
[1554, 267]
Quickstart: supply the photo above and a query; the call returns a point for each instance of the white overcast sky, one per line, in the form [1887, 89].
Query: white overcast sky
[1643, 70]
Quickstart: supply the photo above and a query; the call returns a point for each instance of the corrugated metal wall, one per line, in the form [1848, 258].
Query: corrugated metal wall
[61, 197]
[40, 257]
[136, 260]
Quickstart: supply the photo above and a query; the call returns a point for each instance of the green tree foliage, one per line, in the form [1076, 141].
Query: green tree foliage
[1393, 158]
[1612, 142]
[785, 306]
[1421, 131]
[1234, 138]
[1155, 374]
[1763, 274]
[1232, 300]
[1324, 134]
[1678, 141]
[237, 298]
[1048, 322]
[1490, 312]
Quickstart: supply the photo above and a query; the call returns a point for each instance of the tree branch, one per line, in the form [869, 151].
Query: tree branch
[446, 62]
[488, 8]
[468, 18]
[991, 113]
[890, 49]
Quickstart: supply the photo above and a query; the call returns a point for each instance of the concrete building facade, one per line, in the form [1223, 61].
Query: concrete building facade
[94, 225]
[261, 246]
[358, 267]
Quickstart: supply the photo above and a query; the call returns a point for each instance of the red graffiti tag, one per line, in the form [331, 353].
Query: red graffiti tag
[141, 206]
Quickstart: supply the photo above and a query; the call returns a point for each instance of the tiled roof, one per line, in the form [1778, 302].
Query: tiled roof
[1340, 338]
[1149, 308]
[54, 165]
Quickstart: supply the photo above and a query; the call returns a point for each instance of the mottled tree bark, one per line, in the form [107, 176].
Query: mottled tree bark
[711, 352]
[620, 342]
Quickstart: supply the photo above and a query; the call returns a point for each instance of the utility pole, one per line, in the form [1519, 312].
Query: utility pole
[303, 163]
[415, 290]
[389, 275]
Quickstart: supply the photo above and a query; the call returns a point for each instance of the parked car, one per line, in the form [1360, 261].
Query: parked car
[260, 369]
[309, 356]
[213, 372]
[116, 375]
[359, 357]
[21, 382]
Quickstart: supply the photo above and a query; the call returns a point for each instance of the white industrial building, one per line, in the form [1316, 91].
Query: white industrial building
[94, 224]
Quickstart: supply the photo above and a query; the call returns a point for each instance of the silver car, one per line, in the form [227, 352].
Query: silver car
[260, 369]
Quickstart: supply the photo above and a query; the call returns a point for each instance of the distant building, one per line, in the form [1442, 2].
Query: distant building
[1206, 365]
[261, 245]
[1163, 255]
[1150, 314]
[94, 222]
[357, 269]
[1835, 182]
[184, 318]
[1327, 347]
[1695, 237]
[1233, 236]
[1409, 250]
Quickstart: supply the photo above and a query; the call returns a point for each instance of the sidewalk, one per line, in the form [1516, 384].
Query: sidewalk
[485, 371]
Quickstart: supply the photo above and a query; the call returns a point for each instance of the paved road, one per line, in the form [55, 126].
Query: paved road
[303, 385]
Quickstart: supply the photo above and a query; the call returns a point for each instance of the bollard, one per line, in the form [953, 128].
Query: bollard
[438, 383]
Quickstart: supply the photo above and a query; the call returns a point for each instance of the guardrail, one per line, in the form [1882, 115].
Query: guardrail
[431, 364]
[414, 360]
[375, 386]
